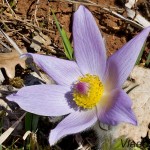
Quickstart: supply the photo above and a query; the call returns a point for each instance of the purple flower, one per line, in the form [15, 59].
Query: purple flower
[88, 89]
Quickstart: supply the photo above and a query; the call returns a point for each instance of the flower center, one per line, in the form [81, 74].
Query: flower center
[87, 91]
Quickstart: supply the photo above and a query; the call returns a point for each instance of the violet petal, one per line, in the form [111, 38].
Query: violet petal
[120, 64]
[64, 72]
[73, 123]
[46, 100]
[89, 46]
[115, 108]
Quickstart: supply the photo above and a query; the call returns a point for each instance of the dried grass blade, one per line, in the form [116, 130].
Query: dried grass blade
[11, 42]
[6, 134]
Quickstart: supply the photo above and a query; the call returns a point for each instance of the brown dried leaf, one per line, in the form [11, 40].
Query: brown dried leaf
[8, 61]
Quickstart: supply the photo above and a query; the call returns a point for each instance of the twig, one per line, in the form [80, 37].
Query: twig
[3, 1]
[29, 24]
[36, 8]
[135, 24]
[147, 9]
[13, 13]
[25, 22]
[88, 3]
[11, 42]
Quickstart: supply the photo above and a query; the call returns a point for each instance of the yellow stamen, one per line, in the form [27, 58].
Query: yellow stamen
[93, 94]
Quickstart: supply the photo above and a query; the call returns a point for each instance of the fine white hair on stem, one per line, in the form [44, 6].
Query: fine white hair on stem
[36, 8]
[102, 135]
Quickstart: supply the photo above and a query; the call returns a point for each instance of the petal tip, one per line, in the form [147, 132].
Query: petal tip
[10, 97]
[147, 29]
[134, 122]
[81, 9]
[52, 140]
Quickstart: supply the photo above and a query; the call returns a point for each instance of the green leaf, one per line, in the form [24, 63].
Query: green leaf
[0, 147]
[140, 55]
[106, 145]
[35, 121]
[148, 60]
[57, 23]
[28, 121]
[118, 144]
[67, 45]
[31, 122]
[136, 148]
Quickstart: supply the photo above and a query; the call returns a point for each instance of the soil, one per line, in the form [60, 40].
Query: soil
[115, 31]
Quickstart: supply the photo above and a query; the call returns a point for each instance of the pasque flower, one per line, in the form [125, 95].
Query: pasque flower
[88, 89]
